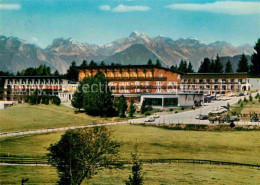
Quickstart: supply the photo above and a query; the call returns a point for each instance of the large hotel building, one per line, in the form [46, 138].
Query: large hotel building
[219, 83]
[17, 87]
[159, 86]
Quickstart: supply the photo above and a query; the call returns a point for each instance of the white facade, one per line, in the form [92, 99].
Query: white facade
[181, 99]
[15, 88]
[5, 104]
[254, 83]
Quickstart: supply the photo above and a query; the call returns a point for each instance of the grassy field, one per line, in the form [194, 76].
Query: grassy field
[25, 116]
[157, 143]
[247, 108]
[154, 174]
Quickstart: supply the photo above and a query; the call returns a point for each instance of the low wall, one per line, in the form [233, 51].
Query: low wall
[5, 104]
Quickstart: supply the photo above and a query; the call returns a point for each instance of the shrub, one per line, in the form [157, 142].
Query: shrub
[149, 108]
[232, 124]
[45, 100]
[56, 100]
[250, 98]
[171, 109]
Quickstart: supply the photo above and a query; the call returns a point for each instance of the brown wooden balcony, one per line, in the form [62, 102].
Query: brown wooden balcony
[137, 78]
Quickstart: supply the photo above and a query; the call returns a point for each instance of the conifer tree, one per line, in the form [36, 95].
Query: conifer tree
[205, 66]
[243, 64]
[255, 59]
[122, 106]
[132, 108]
[158, 63]
[137, 175]
[190, 68]
[150, 62]
[218, 65]
[143, 107]
[229, 68]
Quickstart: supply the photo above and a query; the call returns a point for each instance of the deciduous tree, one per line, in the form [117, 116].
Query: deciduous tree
[80, 152]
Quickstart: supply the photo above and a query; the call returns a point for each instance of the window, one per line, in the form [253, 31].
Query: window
[134, 74]
[137, 90]
[153, 101]
[170, 102]
[147, 83]
[121, 83]
[158, 83]
[169, 83]
[232, 80]
[216, 80]
[128, 83]
[137, 83]
[159, 90]
[160, 75]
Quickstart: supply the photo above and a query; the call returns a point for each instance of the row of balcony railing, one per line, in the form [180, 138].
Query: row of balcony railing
[231, 89]
[145, 87]
[137, 78]
[213, 82]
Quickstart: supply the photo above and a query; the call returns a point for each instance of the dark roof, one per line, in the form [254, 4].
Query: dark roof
[126, 66]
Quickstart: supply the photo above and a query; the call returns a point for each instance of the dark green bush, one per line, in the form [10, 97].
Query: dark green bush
[56, 100]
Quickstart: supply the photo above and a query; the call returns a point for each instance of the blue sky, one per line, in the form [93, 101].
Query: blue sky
[103, 21]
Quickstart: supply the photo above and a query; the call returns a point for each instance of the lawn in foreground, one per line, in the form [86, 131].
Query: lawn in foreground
[26, 117]
[157, 143]
[154, 174]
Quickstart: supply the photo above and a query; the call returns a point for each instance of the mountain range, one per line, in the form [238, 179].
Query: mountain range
[17, 54]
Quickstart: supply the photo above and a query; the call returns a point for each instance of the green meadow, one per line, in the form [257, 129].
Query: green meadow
[156, 143]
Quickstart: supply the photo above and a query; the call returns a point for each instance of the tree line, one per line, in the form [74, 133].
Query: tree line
[215, 66]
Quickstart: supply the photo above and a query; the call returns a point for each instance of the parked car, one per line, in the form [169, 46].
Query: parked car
[225, 107]
[198, 116]
[150, 119]
[254, 119]
[155, 115]
[203, 117]
[234, 118]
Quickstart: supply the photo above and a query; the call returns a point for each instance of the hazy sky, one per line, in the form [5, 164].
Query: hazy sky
[102, 21]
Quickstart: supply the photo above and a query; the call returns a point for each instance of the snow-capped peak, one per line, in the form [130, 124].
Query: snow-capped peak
[134, 34]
